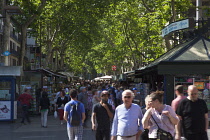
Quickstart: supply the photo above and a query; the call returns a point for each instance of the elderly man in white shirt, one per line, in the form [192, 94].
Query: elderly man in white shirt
[127, 120]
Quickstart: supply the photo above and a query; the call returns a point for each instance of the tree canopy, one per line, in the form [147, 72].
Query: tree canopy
[93, 35]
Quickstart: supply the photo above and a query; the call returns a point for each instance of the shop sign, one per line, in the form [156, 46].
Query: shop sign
[5, 110]
[114, 68]
[199, 85]
[6, 53]
[175, 26]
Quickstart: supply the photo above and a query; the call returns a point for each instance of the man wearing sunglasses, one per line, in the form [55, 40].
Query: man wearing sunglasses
[194, 115]
[102, 114]
[127, 120]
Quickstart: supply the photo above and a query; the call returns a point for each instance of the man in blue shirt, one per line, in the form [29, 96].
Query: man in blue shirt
[127, 120]
[74, 132]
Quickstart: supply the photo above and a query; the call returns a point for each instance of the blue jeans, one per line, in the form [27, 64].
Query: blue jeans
[25, 114]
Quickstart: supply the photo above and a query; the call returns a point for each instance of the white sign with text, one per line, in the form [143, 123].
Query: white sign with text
[175, 26]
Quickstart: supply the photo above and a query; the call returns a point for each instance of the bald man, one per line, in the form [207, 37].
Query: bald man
[194, 115]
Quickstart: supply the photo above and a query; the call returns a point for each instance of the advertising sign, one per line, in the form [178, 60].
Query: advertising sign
[199, 85]
[5, 110]
[175, 26]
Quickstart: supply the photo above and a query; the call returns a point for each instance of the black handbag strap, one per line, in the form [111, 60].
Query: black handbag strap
[155, 122]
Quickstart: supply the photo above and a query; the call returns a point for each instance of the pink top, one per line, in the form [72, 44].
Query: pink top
[176, 102]
[163, 122]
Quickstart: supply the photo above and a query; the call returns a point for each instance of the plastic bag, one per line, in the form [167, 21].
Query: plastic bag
[55, 114]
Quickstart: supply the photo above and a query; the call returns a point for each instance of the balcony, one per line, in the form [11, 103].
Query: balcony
[15, 37]
[15, 53]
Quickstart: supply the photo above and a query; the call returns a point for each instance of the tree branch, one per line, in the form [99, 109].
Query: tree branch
[148, 9]
[136, 45]
[34, 16]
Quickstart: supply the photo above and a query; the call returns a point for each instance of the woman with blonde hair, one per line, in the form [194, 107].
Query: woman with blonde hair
[159, 116]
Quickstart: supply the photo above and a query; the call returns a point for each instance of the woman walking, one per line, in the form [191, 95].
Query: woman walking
[159, 116]
[44, 108]
[61, 101]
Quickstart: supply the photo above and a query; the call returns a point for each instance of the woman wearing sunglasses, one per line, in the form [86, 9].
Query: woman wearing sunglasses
[159, 115]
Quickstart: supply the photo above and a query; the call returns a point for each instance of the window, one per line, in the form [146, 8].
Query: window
[10, 61]
[11, 45]
[18, 48]
[14, 62]
[15, 47]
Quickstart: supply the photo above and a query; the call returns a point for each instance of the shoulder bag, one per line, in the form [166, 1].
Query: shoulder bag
[162, 134]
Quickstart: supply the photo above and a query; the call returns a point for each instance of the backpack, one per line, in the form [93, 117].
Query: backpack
[75, 118]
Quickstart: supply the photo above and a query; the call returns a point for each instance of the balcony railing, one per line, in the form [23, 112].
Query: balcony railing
[15, 37]
[14, 52]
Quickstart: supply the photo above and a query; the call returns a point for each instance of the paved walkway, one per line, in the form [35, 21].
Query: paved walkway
[34, 131]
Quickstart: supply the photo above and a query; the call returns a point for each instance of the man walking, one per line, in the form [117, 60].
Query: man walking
[180, 96]
[102, 113]
[82, 97]
[127, 120]
[25, 99]
[194, 115]
[74, 132]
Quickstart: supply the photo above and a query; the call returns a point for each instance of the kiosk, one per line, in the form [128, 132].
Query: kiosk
[8, 105]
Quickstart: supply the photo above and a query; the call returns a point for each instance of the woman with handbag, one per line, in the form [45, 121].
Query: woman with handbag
[161, 119]
[61, 101]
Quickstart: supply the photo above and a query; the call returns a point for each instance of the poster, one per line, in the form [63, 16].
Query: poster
[5, 110]
[199, 85]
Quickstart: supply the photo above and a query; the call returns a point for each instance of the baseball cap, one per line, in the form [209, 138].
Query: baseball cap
[134, 89]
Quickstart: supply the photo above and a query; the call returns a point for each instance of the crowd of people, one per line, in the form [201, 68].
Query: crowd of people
[115, 116]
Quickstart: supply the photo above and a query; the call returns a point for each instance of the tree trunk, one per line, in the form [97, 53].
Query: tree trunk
[23, 44]
[167, 43]
[56, 60]
[62, 61]
[173, 19]
[49, 53]
[24, 27]
[173, 11]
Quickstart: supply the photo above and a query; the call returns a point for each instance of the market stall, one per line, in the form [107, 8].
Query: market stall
[186, 64]
[8, 105]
